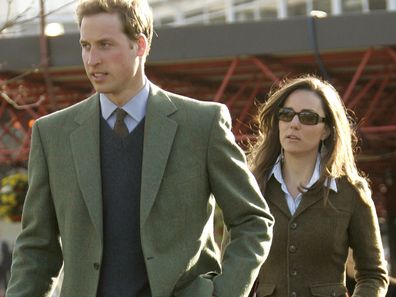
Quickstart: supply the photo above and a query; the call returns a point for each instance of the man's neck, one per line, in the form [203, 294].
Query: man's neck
[121, 98]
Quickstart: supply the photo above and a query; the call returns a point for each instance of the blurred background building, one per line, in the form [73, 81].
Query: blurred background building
[188, 12]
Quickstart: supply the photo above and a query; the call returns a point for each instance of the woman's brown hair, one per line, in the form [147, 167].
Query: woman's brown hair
[338, 161]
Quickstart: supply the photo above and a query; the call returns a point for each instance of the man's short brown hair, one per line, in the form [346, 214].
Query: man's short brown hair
[135, 15]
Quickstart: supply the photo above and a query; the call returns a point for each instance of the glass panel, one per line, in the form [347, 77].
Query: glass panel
[268, 13]
[323, 5]
[246, 15]
[166, 21]
[352, 6]
[238, 2]
[377, 4]
[296, 8]
[217, 19]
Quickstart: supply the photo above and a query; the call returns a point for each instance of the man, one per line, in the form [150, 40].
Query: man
[124, 199]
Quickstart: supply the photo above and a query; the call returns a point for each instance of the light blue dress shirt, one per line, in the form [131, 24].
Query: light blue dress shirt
[135, 108]
[293, 203]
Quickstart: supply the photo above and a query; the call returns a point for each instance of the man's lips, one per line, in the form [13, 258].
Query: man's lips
[98, 76]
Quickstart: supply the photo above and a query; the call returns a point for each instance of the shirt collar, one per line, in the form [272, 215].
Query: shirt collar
[277, 173]
[135, 107]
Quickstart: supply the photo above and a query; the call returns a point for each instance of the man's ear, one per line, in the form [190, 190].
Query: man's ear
[142, 45]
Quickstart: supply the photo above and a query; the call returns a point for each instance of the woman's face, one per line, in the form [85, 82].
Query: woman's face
[297, 138]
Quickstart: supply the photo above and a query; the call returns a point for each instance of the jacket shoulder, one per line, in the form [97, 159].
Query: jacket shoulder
[62, 116]
[349, 194]
[182, 101]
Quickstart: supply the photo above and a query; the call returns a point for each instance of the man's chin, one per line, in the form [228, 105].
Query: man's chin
[99, 88]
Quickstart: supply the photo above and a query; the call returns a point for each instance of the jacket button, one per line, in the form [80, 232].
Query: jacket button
[293, 294]
[293, 226]
[292, 248]
[293, 273]
[96, 266]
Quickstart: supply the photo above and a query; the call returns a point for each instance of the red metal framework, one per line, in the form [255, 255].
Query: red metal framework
[23, 100]
[366, 79]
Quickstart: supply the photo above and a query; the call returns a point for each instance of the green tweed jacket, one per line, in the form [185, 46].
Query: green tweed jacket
[310, 248]
[190, 159]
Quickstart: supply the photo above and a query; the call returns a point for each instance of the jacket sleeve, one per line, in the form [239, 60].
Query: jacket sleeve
[37, 256]
[245, 211]
[365, 240]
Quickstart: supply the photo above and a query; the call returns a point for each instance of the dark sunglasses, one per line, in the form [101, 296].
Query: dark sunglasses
[305, 117]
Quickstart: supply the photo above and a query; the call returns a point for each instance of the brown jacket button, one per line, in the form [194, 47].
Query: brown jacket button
[292, 248]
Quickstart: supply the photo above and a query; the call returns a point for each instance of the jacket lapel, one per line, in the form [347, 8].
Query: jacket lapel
[308, 199]
[159, 133]
[85, 145]
[275, 196]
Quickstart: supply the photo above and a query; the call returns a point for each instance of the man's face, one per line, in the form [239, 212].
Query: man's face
[112, 61]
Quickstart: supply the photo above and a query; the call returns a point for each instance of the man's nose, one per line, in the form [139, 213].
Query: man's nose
[93, 57]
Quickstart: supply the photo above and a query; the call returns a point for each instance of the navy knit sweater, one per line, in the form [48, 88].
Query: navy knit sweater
[123, 270]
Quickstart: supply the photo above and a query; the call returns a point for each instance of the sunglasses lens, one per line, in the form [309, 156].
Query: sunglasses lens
[308, 118]
[286, 115]
[305, 117]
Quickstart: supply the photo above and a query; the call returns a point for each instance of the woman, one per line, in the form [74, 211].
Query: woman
[304, 163]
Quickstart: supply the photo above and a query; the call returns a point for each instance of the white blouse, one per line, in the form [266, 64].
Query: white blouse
[293, 203]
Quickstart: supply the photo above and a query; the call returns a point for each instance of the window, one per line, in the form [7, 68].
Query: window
[323, 5]
[268, 13]
[352, 6]
[296, 8]
[377, 4]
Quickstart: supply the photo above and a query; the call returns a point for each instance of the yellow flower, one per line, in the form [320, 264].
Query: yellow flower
[3, 210]
[12, 195]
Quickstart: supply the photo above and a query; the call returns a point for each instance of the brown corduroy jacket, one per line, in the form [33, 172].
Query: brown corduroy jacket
[310, 248]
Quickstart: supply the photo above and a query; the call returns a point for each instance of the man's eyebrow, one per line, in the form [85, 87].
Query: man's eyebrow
[98, 40]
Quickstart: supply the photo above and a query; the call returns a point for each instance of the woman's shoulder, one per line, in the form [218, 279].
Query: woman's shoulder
[353, 193]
